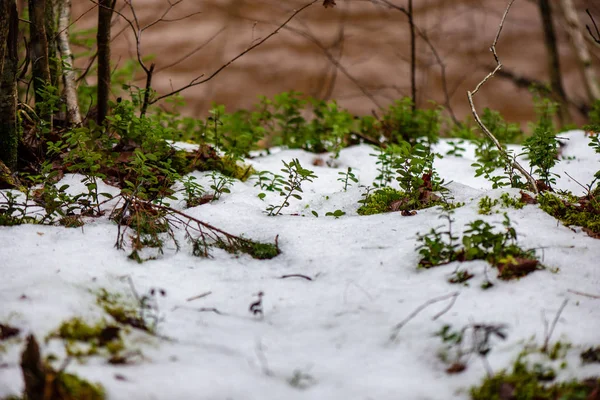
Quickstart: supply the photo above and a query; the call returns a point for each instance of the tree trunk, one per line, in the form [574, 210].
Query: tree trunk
[34, 376]
[53, 61]
[4, 17]
[9, 133]
[105, 11]
[39, 55]
[576, 32]
[413, 56]
[68, 75]
[554, 63]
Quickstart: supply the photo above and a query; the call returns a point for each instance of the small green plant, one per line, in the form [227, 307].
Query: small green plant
[594, 118]
[220, 184]
[347, 177]
[486, 204]
[269, 181]
[402, 123]
[542, 146]
[336, 214]
[457, 148]
[296, 176]
[193, 191]
[459, 345]
[438, 247]
[479, 242]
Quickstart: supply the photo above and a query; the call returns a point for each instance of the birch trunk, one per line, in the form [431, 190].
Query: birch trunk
[576, 31]
[68, 75]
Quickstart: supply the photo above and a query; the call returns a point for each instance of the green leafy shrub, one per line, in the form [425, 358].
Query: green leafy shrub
[525, 382]
[293, 186]
[542, 146]
[480, 241]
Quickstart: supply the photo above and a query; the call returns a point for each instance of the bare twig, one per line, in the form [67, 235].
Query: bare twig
[308, 278]
[484, 128]
[198, 296]
[400, 325]
[198, 81]
[548, 332]
[591, 296]
[597, 36]
[448, 307]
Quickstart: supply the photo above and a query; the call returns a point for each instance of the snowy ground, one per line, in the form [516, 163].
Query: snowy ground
[331, 333]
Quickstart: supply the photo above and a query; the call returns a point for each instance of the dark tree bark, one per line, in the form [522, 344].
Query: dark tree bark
[105, 11]
[9, 134]
[413, 56]
[4, 17]
[51, 26]
[558, 90]
[39, 54]
[34, 375]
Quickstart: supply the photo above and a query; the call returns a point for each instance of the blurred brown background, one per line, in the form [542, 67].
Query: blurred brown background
[369, 40]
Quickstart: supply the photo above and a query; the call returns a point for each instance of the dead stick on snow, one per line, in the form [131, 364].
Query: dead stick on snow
[198, 296]
[592, 296]
[485, 129]
[423, 306]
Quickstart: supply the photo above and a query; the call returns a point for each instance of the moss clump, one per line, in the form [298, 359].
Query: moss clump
[584, 211]
[122, 313]
[258, 250]
[381, 201]
[83, 339]
[72, 387]
[526, 383]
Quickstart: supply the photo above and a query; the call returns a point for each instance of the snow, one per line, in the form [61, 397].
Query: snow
[334, 330]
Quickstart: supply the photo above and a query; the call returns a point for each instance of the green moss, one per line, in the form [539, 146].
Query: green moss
[511, 202]
[380, 201]
[72, 387]
[572, 211]
[126, 314]
[83, 339]
[486, 204]
[526, 383]
[258, 250]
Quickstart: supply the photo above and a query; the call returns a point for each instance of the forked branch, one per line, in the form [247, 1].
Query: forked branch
[484, 128]
[198, 80]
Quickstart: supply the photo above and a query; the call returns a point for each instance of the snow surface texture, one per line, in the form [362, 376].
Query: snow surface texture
[332, 333]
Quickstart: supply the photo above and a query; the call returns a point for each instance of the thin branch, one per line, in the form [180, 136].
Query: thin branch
[591, 296]
[597, 37]
[308, 278]
[400, 325]
[484, 128]
[548, 333]
[335, 62]
[191, 53]
[196, 81]
[198, 296]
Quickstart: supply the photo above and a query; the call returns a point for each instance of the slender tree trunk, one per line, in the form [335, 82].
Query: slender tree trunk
[4, 17]
[68, 75]
[53, 62]
[39, 55]
[9, 133]
[105, 11]
[413, 56]
[554, 62]
[576, 32]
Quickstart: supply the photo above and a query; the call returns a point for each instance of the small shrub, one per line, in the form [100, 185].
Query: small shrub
[296, 176]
